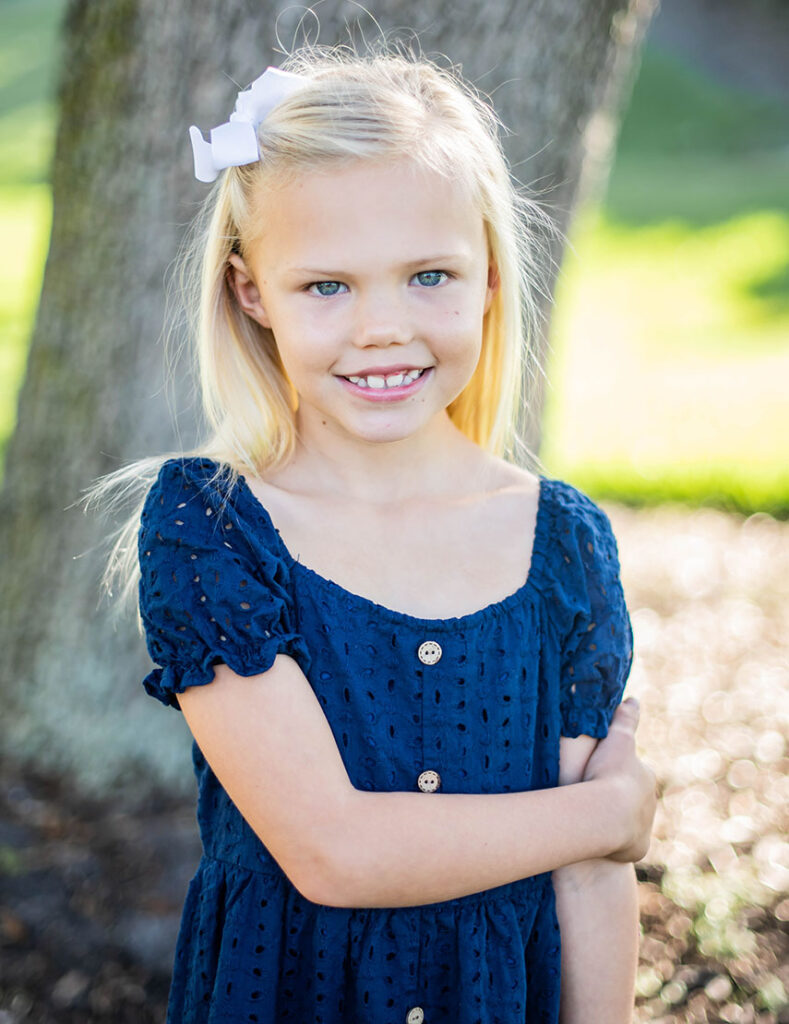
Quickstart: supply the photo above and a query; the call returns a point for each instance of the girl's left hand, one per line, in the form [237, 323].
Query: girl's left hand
[615, 759]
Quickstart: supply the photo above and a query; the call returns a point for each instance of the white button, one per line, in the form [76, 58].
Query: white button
[429, 781]
[415, 1015]
[429, 652]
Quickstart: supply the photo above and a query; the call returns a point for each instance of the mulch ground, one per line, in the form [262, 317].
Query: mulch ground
[90, 896]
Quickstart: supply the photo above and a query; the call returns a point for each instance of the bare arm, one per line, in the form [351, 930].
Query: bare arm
[597, 906]
[270, 745]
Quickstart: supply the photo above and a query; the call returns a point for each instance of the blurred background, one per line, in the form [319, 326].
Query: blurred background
[671, 336]
[671, 362]
[667, 399]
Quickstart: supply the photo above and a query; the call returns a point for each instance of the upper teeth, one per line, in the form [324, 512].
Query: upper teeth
[392, 381]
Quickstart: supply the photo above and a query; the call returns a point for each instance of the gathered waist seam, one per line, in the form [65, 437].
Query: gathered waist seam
[512, 893]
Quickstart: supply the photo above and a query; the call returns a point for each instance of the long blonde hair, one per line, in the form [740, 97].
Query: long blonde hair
[377, 106]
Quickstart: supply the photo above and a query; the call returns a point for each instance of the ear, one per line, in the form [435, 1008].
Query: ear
[493, 284]
[246, 291]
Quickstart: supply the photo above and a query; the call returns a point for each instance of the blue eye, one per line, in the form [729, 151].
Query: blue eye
[430, 278]
[327, 288]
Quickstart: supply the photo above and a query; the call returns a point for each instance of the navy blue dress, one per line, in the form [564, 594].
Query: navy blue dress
[473, 704]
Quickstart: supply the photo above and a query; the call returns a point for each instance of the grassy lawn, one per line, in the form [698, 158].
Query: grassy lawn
[25, 214]
[668, 377]
[671, 335]
[28, 61]
[29, 32]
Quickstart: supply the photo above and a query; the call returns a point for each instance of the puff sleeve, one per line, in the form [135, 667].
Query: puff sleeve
[597, 640]
[211, 589]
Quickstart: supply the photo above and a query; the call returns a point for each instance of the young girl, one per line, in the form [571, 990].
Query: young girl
[391, 643]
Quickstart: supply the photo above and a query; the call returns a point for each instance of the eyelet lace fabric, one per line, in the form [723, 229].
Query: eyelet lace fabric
[219, 585]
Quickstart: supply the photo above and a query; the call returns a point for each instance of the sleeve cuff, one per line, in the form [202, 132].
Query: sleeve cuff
[166, 682]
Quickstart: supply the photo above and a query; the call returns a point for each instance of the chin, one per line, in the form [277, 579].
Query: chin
[385, 437]
[389, 434]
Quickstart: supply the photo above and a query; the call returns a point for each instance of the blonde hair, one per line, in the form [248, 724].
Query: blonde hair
[372, 107]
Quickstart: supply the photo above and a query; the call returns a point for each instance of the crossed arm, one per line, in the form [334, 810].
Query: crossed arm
[597, 906]
[344, 847]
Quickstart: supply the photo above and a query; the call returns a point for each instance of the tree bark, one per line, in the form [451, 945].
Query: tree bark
[136, 73]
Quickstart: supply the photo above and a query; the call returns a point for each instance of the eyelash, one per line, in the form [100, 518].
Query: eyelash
[446, 276]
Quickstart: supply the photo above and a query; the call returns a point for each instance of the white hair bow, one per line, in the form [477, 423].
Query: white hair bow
[235, 143]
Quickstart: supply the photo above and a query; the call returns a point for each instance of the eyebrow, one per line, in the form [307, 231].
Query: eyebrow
[461, 256]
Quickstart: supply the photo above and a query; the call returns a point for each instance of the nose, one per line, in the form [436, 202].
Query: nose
[382, 319]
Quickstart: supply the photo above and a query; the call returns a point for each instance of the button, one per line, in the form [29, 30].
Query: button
[429, 652]
[416, 1015]
[429, 781]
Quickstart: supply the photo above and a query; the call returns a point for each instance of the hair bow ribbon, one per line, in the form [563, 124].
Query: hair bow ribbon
[235, 143]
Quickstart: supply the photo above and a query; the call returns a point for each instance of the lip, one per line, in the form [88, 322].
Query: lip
[383, 371]
[386, 394]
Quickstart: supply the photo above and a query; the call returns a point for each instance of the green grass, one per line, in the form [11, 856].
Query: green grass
[692, 150]
[670, 363]
[671, 333]
[25, 214]
[697, 188]
[29, 52]
[28, 61]
[676, 110]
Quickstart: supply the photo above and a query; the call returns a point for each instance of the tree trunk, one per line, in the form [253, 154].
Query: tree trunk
[136, 74]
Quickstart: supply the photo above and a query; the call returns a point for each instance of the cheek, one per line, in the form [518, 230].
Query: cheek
[305, 351]
[458, 342]
[463, 319]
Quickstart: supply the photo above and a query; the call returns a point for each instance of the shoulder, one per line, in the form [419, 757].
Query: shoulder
[213, 586]
[198, 505]
[575, 548]
[192, 488]
[195, 501]
[570, 513]
[496, 475]
[563, 508]
[184, 478]
[568, 501]
[200, 524]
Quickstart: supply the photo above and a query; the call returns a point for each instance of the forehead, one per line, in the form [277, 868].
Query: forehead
[366, 210]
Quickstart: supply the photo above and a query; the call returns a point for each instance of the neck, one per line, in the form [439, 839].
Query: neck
[439, 460]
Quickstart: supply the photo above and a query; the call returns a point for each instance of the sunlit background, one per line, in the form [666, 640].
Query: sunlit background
[671, 335]
[667, 382]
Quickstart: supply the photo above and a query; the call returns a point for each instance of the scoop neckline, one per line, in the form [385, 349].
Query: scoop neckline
[350, 598]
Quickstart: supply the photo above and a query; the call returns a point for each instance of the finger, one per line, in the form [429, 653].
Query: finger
[628, 713]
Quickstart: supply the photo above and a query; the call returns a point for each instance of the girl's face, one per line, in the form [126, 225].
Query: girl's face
[374, 279]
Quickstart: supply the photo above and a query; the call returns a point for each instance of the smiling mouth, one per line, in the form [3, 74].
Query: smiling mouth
[378, 382]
